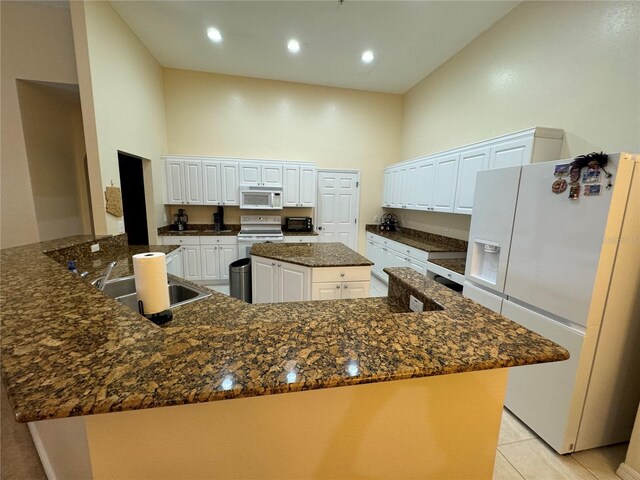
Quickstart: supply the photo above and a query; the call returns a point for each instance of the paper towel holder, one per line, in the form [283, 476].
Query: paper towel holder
[159, 318]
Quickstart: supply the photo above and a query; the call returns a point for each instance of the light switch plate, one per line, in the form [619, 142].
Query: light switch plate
[415, 304]
[95, 248]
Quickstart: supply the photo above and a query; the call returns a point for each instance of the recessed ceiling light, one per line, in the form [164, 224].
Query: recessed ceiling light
[367, 56]
[214, 35]
[293, 46]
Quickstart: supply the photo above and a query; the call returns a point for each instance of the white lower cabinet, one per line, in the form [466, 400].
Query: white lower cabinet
[333, 283]
[217, 253]
[274, 281]
[203, 258]
[389, 253]
[300, 239]
[174, 263]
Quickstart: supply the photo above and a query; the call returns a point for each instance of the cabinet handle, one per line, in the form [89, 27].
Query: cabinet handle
[342, 274]
[273, 264]
[337, 286]
[346, 286]
[279, 264]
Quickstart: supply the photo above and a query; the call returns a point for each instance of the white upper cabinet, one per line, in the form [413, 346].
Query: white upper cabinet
[512, 153]
[445, 182]
[216, 181]
[299, 185]
[261, 174]
[471, 163]
[174, 171]
[444, 186]
[220, 183]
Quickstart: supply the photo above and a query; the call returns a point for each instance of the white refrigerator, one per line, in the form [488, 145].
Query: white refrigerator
[568, 269]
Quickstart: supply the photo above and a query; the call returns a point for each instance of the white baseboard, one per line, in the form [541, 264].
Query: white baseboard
[627, 473]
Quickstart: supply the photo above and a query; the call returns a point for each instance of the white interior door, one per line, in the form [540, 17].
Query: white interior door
[338, 199]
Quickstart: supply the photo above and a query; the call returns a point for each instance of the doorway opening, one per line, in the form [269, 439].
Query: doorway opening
[134, 204]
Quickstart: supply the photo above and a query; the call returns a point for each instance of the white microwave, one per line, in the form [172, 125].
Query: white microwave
[261, 198]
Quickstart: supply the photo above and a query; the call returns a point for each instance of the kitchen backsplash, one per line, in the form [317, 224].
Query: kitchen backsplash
[203, 214]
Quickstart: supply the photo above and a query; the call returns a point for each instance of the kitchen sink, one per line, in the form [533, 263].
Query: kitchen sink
[124, 290]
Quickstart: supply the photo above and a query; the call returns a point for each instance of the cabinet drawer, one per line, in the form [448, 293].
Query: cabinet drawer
[175, 240]
[218, 240]
[341, 274]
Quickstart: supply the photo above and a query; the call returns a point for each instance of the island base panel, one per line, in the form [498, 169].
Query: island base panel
[434, 427]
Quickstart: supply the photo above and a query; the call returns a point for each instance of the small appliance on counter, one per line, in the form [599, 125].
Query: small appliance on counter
[181, 219]
[298, 224]
[389, 222]
[218, 220]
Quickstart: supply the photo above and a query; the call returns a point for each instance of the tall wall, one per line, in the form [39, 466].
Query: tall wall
[221, 115]
[121, 88]
[37, 44]
[568, 65]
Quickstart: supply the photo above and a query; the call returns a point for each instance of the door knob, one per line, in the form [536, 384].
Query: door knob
[319, 228]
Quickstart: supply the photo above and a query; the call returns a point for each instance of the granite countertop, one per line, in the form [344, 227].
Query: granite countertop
[311, 254]
[287, 233]
[428, 242]
[456, 265]
[68, 349]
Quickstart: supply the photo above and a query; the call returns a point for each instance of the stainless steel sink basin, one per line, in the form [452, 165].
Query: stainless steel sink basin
[124, 290]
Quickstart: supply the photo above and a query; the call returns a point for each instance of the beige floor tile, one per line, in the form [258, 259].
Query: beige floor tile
[512, 429]
[503, 470]
[534, 460]
[603, 462]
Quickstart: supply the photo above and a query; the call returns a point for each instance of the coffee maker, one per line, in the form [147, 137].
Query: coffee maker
[218, 219]
[181, 219]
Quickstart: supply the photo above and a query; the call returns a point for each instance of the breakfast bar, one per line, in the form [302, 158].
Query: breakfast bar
[229, 389]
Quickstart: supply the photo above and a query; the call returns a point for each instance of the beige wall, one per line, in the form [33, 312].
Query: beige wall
[220, 115]
[36, 45]
[54, 139]
[123, 107]
[568, 65]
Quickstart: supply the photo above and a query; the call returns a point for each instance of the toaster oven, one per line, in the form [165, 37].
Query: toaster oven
[299, 224]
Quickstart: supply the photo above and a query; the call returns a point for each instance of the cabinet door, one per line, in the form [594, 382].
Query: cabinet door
[411, 186]
[174, 263]
[250, 173]
[374, 252]
[355, 289]
[326, 291]
[425, 177]
[396, 183]
[229, 193]
[308, 186]
[211, 183]
[263, 280]
[388, 188]
[471, 163]
[511, 154]
[210, 262]
[293, 282]
[404, 181]
[193, 181]
[272, 175]
[191, 262]
[227, 254]
[174, 170]
[444, 186]
[291, 186]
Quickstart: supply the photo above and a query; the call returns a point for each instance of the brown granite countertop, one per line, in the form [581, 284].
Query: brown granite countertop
[67, 349]
[429, 242]
[456, 265]
[311, 254]
[199, 230]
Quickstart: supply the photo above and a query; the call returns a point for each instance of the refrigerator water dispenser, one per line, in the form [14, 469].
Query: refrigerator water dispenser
[486, 257]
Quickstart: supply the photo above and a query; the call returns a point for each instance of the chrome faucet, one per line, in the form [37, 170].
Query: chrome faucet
[102, 281]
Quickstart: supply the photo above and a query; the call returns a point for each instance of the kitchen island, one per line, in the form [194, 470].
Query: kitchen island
[284, 272]
[421, 393]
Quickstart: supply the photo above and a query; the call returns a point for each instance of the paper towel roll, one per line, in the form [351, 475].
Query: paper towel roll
[150, 270]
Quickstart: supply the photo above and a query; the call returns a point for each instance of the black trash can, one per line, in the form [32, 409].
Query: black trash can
[240, 279]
